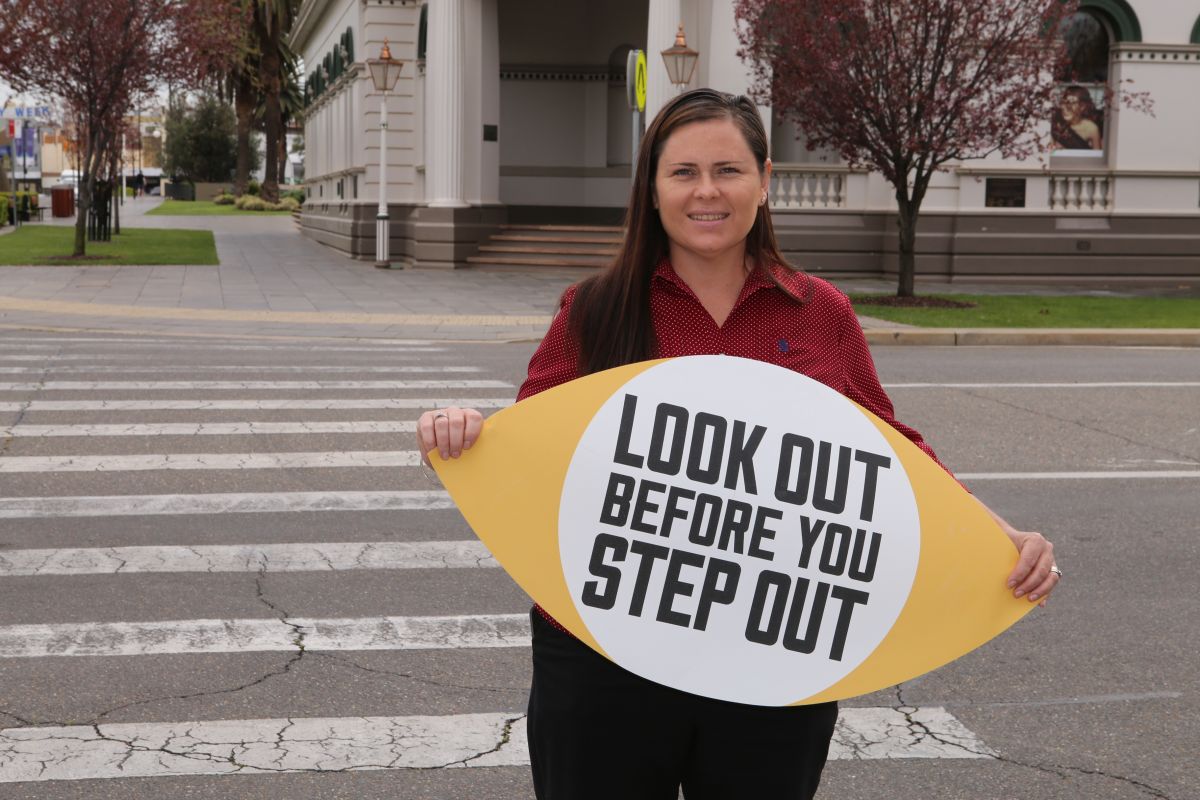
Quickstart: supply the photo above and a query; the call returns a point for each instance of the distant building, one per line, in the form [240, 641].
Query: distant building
[515, 112]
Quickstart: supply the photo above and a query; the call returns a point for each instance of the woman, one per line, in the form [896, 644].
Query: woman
[699, 272]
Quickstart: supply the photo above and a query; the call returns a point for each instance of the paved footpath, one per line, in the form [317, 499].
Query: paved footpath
[273, 281]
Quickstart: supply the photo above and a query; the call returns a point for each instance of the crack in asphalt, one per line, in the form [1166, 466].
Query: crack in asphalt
[1191, 459]
[21, 721]
[39, 385]
[1064, 771]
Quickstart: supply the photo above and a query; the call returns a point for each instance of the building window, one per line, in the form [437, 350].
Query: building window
[1004, 193]
[1077, 127]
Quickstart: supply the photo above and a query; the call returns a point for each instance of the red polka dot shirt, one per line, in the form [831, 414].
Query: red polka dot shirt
[820, 338]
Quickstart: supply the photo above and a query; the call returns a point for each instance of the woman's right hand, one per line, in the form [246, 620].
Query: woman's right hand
[450, 431]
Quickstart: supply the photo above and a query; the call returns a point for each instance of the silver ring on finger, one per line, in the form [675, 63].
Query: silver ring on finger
[441, 415]
[1057, 571]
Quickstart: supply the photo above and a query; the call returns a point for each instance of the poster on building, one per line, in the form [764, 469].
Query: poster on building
[1078, 119]
[736, 530]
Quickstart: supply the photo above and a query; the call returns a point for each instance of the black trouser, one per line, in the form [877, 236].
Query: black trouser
[599, 731]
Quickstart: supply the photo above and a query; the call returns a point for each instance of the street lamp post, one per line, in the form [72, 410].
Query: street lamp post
[385, 71]
[680, 60]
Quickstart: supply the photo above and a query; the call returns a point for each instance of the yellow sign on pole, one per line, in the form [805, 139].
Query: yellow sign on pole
[639, 80]
[736, 530]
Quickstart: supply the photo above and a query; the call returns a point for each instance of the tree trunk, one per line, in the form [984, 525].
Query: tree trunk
[908, 237]
[283, 156]
[87, 188]
[273, 119]
[118, 197]
[244, 108]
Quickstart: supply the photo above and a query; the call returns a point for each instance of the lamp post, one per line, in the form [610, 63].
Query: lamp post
[385, 71]
[680, 60]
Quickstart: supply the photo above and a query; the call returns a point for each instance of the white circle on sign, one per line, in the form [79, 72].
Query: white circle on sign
[770, 584]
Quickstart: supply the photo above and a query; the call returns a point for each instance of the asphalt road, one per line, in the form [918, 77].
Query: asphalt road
[1096, 696]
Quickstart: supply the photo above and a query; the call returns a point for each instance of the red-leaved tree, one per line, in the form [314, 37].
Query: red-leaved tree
[99, 57]
[902, 87]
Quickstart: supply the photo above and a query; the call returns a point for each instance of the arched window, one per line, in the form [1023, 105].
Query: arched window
[1118, 16]
[1088, 41]
[1196, 32]
[1077, 127]
[422, 33]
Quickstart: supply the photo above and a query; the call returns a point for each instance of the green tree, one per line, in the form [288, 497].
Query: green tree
[201, 141]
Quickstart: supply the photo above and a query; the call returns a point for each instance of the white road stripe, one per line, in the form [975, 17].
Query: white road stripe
[306, 369]
[174, 461]
[286, 502]
[135, 505]
[379, 345]
[258, 405]
[1150, 474]
[9, 344]
[52, 359]
[299, 557]
[263, 635]
[339, 744]
[212, 428]
[1034, 385]
[150, 386]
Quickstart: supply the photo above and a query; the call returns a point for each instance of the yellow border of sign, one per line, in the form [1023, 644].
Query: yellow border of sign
[639, 80]
[528, 498]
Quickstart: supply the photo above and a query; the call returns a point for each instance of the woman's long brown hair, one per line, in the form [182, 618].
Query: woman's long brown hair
[610, 315]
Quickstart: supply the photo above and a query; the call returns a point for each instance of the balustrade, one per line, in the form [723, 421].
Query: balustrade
[1074, 192]
[807, 187]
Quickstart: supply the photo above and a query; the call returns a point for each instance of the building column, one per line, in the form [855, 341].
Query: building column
[725, 70]
[445, 187]
[663, 21]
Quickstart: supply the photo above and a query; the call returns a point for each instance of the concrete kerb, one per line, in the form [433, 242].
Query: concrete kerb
[21, 313]
[1025, 337]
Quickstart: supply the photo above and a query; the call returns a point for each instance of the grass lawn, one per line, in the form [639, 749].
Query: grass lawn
[1031, 311]
[207, 208]
[52, 245]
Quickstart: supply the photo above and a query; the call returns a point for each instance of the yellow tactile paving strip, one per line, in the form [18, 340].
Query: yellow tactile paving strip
[252, 315]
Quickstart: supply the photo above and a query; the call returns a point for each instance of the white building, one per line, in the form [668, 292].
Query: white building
[514, 111]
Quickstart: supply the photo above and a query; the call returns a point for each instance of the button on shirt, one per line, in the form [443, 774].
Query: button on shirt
[819, 337]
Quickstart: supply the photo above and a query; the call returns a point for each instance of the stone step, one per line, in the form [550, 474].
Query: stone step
[552, 251]
[568, 228]
[529, 261]
[553, 239]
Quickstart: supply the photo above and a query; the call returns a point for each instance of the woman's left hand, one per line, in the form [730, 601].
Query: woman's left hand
[1036, 574]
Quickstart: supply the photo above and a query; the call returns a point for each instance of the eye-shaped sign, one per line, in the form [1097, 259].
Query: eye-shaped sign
[736, 530]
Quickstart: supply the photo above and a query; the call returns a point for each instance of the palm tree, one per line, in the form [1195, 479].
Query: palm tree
[272, 20]
[240, 85]
[291, 103]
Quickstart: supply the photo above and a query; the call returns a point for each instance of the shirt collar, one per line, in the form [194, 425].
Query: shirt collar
[757, 279]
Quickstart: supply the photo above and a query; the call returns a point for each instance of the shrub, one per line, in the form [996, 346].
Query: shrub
[224, 199]
[287, 204]
[294, 194]
[3, 210]
[249, 202]
[253, 187]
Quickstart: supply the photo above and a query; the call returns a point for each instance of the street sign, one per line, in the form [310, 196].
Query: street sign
[635, 80]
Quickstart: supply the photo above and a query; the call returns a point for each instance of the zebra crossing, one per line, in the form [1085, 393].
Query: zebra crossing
[319, 557]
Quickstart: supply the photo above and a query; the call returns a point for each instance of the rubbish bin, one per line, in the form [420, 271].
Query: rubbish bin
[62, 201]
